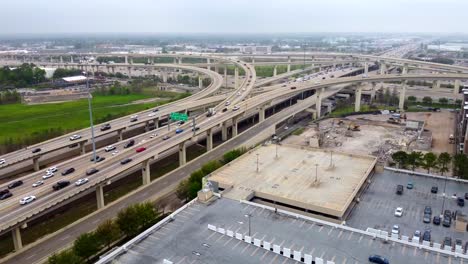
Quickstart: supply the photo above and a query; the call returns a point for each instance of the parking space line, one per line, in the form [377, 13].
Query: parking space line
[282, 243]
[341, 233]
[321, 228]
[312, 252]
[214, 233]
[302, 248]
[302, 223]
[344, 261]
[285, 259]
[237, 244]
[182, 260]
[227, 242]
[311, 225]
[255, 251]
[414, 252]
[370, 242]
[219, 238]
[350, 235]
[247, 207]
[403, 249]
[329, 232]
[193, 261]
[246, 246]
[360, 238]
[449, 260]
[323, 254]
[274, 258]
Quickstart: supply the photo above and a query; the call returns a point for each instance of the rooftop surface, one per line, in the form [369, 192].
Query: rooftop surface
[187, 239]
[290, 178]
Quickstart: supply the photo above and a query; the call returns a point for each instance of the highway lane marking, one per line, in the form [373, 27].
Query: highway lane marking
[31, 256]
[65, 237]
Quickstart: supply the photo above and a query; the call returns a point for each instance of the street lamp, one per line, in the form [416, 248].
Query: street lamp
[90, 115]
[257, 161]
[248, 216]
[443, 195]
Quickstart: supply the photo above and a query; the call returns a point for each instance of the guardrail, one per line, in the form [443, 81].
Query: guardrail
[122, 249]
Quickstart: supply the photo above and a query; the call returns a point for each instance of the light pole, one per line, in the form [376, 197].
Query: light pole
[443, 196]
[316, 172]
[257, 161]
[248, 216]
[91, 116]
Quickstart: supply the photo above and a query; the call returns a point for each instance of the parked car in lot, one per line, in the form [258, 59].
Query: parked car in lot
[399, 189]
[91, 171]
[448, 241]
[75, 137]
[428, 210]
[60, 185]
[140, 149]
[105, 127]
[409, 185]
[14, 184]
[81, 181]
[125, 161]
[129, 143]
[416, 236]
[398, 212]
[427, 218]
[447, 221]
[68, 171]
[378, 259]
[27, 199]
[436, 220]
[427, 236]
[460, 201]
[36, 150]
[434, 189]
[395, 229]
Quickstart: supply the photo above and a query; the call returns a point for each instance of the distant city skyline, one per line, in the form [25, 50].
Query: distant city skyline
[241, 16]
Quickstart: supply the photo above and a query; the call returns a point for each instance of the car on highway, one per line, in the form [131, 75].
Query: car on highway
[224, 110]
[48, 175]
[151, 114]
[235, 108]
[125, 161]
[2, 192]
[6, 195]
[293, 87]
[166, 137]
[38, 183]
[227, 103]
[154, 135]
[179, 130]
[52, 169]
[109, 148]
[68, 171]
[129, 143]
[133, 118]
[195, 128]
[378, 259]
[91, 171]
[398, 211]
[155, 110]
[105, 127]
[60, 185]
[27, 199]
[15, 184]
[75, 137]
[36, 150]
[140, 149]
[98, 158]
[81, 181]
[2, 161]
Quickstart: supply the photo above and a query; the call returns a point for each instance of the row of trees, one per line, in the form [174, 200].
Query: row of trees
[188, 189]
[429, 100]
[61, 72]
[10, 97]
[22, 76]
[129, 222]
[431, 161]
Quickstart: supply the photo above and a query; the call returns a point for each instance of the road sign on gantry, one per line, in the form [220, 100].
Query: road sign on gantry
[179, 116]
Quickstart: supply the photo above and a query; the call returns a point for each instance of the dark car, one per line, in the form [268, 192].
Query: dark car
[195, 128]
[448, 241]
[447, 221]
[460, 202]
[378, 259]
[6, 195]
[2, 192]
[155, 110]
[427, 210]
[125, 161]
[293, 88]
[73, 145]
[36, 150]
[436, 220]
[447, 213]
[166, 137]
[105, 127]
[225, 110]
[68, 171]
[14, 184]
[434, 189]
[427, 218]
[129, 143]
[466, 196]
[427, 236]
[399, 189]
[91, 171]
[60, 185]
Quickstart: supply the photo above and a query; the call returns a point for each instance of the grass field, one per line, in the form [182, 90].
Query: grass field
[21, 121]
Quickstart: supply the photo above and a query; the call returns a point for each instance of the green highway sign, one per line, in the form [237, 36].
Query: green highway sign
[179, 117]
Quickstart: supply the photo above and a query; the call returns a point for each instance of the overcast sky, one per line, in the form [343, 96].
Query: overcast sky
[232, 16]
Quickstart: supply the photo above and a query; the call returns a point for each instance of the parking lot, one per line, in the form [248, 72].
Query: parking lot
[188, 240]
[378, 203]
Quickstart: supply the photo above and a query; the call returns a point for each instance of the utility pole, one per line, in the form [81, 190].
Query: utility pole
[257, 161]
[91, 116]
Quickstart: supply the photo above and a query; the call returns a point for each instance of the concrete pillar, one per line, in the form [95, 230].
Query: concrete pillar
[147, 126]
[208, 62]
[156, 123]
[175, 60]
[456, 85]
[182, 154]
[401, 102]
[164, 76]
[180, 60]
[126, 59]
[113, 70]
[374, 86]
[145, 172]
[275, 70]
[436, 84]
[71, 59]
[216, 68]
[225, 76]
[209, 140]
[382, 67]
[289, 64]
[149, 61]
[234, 127]
[36, 163]
[236, 77]
[17, 242]
[357, 103]
[200, 82]
[253, 60]
[405, 69]
[100, 196]
[61, 59]
[51, 59]
[129, 69]
[131, 60]
[120, 134]
[224, 131]
[318, 104]
[261, 114]
[83, 147]
[366, 68]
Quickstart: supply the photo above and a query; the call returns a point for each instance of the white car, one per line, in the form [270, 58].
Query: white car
[395, 229]
[227, 103]
[235, 108]
[153, 135]
[238, 93]
[399, 212]
[2, 161]
[52, 169]
[48, 175]
[109, 148]
[27, 199]
[317, 82]
[133, 116]
[151, 114]
[416, 236]
[75, 137]
[81, 181]
[38, 183]
[115, 153]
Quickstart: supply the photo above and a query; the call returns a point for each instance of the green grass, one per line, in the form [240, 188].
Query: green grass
[298, 131]
[350, 109]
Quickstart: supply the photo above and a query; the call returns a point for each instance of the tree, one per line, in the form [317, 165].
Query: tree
[414, 159]
[182, 190]
[127, 221]
[429, 161]
[443, 161]
[146, 215]
[86, 245]
[443, 100]
[400, 157]
[411, 99]
[64, 257]
[427, 100]
[460, 165]
[107, 232]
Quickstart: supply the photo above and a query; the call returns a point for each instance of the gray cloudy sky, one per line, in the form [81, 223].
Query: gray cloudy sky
[219, 16]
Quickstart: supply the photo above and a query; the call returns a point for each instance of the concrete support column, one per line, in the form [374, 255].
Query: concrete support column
[147, 126]
[71, 59]
[289, 64]
[175, 60]
[234, 127]
[200, 82]
[436, 84]
[275, 70]
[36, 163]
[156, 123]
[208, 62]
[180, 60]
[126, 59]
[131, 60]
[216, 68]
[209, 140]
[405, 69]
[401, 102]
[129, 69]
[374, 86]
[456, 85]
[61, 59]
[100, 196]
[366, 68]
[253, 60]
[357, 103]
[318, 105]
[224, 131]
[17, 242]
[113, 70]
[145, 172]
[261, 114]
[120, 134]
[83, 147]
[149, 60]
[164, 76]
[236, 77]
[182, 154]
[225, 76]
